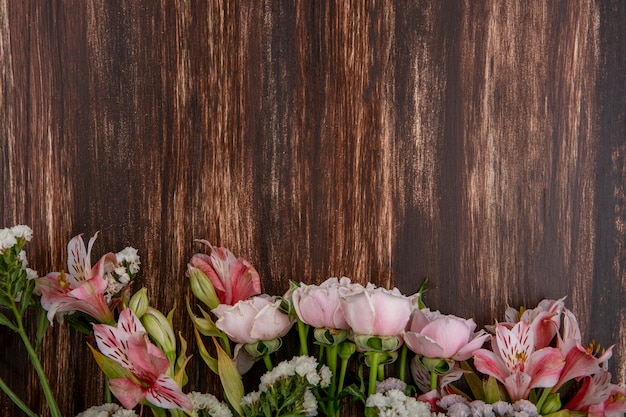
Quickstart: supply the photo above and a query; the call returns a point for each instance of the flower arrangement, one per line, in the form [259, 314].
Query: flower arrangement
[357, 344]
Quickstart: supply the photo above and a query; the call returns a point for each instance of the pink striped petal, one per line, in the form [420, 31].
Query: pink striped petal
[165, 393]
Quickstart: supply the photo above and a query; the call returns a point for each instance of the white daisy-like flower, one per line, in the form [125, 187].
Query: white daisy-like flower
[208, 403]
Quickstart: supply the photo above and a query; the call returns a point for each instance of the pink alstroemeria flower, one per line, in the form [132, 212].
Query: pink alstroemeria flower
[579, 361]
[544, 320]
[515, 362]
[234, 279]
[82, 288]
[128, 344]
[435, 335]
[598, 397]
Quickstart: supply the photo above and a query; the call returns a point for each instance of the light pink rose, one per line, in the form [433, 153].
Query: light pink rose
[435, 335]
[253, 320]
[376, 311]
[319, 306]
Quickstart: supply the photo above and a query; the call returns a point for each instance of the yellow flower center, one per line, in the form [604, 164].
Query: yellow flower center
[62, 281]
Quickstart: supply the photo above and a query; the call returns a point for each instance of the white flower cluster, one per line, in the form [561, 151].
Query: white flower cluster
[107, 410]
[9, 236]
[458, 406]
[118, 278]
[205, 405]
[394, 403]
[304, 366]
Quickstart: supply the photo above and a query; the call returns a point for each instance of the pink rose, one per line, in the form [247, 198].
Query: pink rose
[376, 311]
[253, 320]
[319, 306]
[435, 335]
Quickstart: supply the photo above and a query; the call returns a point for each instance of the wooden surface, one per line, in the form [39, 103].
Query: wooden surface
[480, 144]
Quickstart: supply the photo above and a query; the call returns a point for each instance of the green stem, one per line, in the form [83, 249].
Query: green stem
[403, 355]
[342, 374]
[268, 362]
[34, 359]
[16, 400]
[542, 399]
[371, 389]
[303, 331]
[107, 390]
[331, 362]
[433, 380]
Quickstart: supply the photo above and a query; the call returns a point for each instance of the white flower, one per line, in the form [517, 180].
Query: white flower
[389, 384]
[7, 239]
[209, 404]
[502, 408]
[526, 406]
[394, 403]
[107, 410]
[22, 231]
[250, 399]
[128, 256]
[309, 404]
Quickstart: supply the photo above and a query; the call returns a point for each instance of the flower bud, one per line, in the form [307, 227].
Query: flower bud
[139, 302]
[346, 350]
[160, 330]
[202, 287]
[552, 404]
[436, 365]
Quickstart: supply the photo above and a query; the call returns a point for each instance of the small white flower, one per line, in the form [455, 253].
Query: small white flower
[389, 384]
[209, 404]
[129, 257]
[250, 399]
[309, 404]
[7, 239]
[526, 407]
[502, 408]
[107, 410]
[326, 375]
[22, 231]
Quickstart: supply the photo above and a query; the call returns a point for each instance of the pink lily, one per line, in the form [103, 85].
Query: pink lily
[579, 361]
[515, 362]
[128, 344]
[544, 320]
[234, 279]
[598, 397]
[82, 289]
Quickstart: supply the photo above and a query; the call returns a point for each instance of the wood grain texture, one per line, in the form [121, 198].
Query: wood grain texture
[480, 144]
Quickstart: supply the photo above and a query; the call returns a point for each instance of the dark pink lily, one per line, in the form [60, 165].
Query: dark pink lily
[598, 397]
[81, 288]
[579, 361]
[516, 363]
[234, 279]
[127, 344]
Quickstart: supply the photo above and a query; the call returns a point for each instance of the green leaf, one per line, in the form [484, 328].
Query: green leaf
[492, 391]
[110, 368]
[473, 381]
[204, 354]
[230, 378]
[42, 326]
[4, 321]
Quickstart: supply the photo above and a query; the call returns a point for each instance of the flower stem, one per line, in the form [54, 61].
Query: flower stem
[34, 359]
[374, 359]
[402, 364]
[268, 362]
[542, 399]
[16, 400]
[433, 380]
[303, 331]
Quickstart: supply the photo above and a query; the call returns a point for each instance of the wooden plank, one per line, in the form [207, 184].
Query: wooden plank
[480, 144]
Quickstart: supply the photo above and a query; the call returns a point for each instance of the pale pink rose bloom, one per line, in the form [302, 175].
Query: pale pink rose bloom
[234, 279]
[435, 335]
[253, 320]
[376, 311]
[320, 306]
